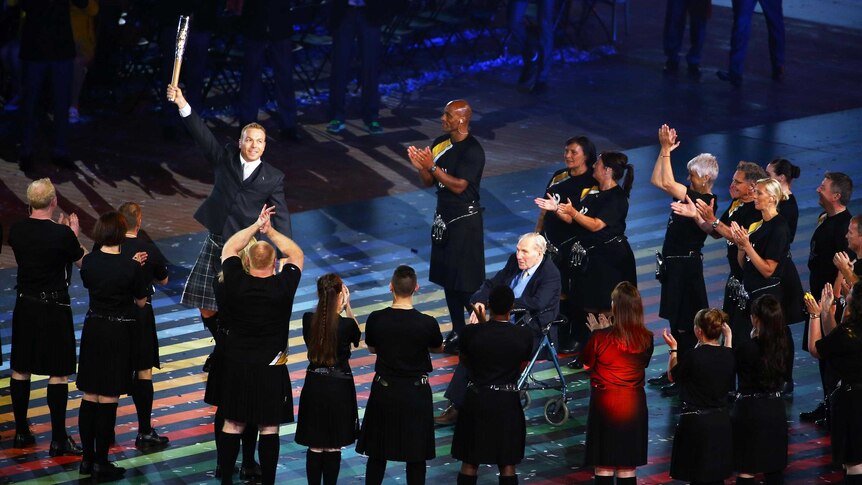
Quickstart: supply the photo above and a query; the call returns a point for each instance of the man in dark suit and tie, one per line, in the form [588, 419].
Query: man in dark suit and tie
[535, 281]
[243, 184]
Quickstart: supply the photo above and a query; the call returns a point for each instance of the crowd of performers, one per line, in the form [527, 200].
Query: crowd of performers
[577, 264]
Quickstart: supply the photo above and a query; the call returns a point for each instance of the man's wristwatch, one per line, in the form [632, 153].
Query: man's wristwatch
[433, 168]
[715, 223]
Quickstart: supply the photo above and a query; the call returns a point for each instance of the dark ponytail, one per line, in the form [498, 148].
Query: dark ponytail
[618, 162]
[783, 166]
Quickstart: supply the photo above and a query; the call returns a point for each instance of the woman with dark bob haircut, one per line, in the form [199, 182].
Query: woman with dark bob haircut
[702, 444]
[759, 416]
[116, 284]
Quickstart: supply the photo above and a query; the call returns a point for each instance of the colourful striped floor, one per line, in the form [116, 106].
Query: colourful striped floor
[364, 241]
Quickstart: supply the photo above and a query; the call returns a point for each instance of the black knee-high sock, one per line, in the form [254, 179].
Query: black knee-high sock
[467, 479]
[58, 396]
[106, 416]
[415, 473]
[142, 396]
[87, 428]
[603, 480]
[457, 302]
[331, 467]
[218, 424]
[508, 480]
[627, 481]
[791, 354]
[227, 456]
[745, 480]
[313, 467]
[249, 442]
[267, 449]
[773, 478]
[375, 469]
[20, 391]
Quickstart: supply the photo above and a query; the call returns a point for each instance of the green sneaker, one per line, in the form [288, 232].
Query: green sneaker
[335, 126]
[374, 128]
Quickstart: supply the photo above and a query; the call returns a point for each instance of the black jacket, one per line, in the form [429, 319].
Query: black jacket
[233, 204]
[541, 296]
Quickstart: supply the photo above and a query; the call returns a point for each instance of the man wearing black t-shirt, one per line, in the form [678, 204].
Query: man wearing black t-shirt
[829, 238]
[454, 163]
[43, 337]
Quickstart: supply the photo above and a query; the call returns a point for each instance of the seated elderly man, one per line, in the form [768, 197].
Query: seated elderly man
[536, 283]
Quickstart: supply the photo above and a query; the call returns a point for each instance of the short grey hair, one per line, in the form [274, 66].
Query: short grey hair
[539, 242]
[704, 165]
[752, 171]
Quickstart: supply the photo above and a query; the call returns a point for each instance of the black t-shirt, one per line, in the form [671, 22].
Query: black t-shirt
[829, 238]
[114, 281]
[493, 351]
[749, 369]
[44, 251]
[464, 160]
[771, 240]
[683, 234]
[259, 311]
[563, 187]
[401, 339]
[155, 268]
[348, 333]
[611, 207]
[744, 214]
[705, 376]
[842, 348]
[789, 209]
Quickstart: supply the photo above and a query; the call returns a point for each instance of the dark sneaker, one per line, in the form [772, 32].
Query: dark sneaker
[374, 128]
[335, 126]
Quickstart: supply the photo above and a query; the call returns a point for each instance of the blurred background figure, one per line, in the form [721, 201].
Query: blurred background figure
[698, 12]
[84, 34]
[535, 45]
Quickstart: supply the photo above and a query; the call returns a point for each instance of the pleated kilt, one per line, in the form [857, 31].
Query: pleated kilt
[105, 363]
[458, 263]
[43, 336]
[490, 429]
[617, 425]
[683, 290]
[255, 393]
[759, 434]
[606, 265]
[328, 416]
[846, 425]
[399, 420]
[146, 340]
[702, 447]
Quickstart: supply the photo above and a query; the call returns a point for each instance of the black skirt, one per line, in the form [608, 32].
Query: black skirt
[617, 425]
[606, 265]
[458, 263]
[146, 341]
[846, 425]
[212, 393]
[759, 435]
[105, 365]
[399, 421]
[683, 291]
[702, 447]
[328, 416]
[490, 428]
[255, 393]
[43, 337]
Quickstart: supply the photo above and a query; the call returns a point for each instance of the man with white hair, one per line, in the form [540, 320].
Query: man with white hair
[535, 280]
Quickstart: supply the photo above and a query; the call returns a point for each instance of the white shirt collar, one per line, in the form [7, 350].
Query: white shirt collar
[248, 168]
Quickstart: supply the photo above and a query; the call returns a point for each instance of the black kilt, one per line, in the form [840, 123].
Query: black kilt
[740, 320]
[606, 265]
[702, 447]
[792, 295]
[759, 435]
[105, 364]
[617, 424]
[145, 341]
[255, 393]
[328, 416]
[43, 337]
[490, 428]
[399, 421]
[846, 425]
[212, 393]
[458, 263]
[683, 291]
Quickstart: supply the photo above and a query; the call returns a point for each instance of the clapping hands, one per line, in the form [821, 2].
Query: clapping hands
[597, 323]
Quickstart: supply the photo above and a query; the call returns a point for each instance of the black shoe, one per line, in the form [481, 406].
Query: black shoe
[292, 134]
[694, 71]
[573, 348]
[670, 67]
[250, 472]
[812, 416]
[107, 472]
[731, 77]
[787, 389]
[86, 467]
[146, 440]
[575, 364]
[63, 161]
[451, 343]
[65, 447]
[661, 380]
[23, 440]
[670, 390]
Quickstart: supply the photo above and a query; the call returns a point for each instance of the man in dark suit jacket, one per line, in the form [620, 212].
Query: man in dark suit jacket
[535, 280]
[243, 184]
